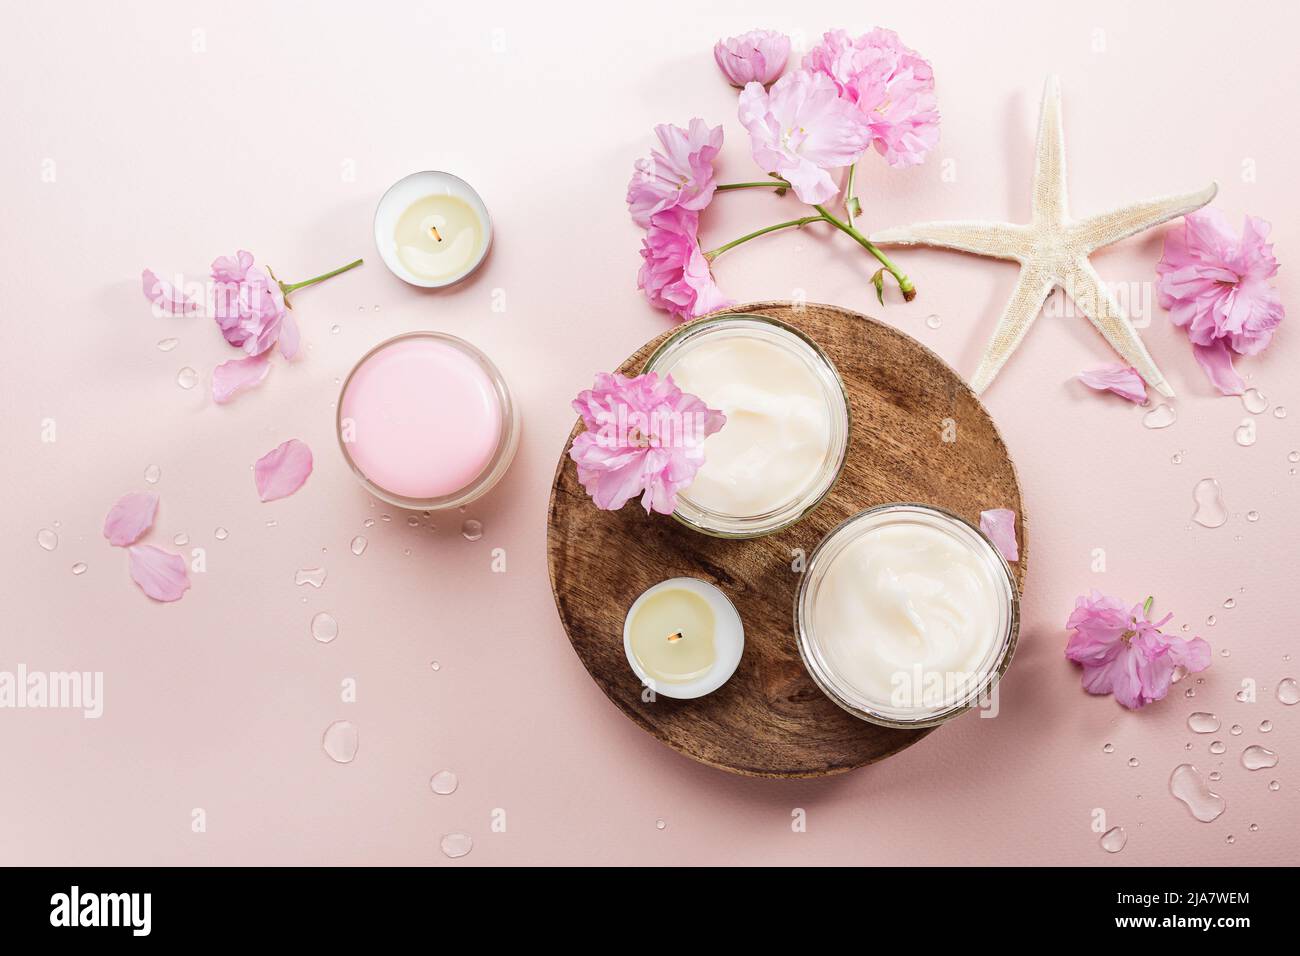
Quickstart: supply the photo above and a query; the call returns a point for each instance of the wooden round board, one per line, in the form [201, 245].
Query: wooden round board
[918, 434]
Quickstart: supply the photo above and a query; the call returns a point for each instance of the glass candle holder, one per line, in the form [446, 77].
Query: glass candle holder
[907, 615]
[426, 422]
[787, 430]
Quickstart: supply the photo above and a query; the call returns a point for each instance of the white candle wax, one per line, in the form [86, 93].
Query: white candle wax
[432, 229]
[683, 638]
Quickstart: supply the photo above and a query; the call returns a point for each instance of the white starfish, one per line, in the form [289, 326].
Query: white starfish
[1053, 250]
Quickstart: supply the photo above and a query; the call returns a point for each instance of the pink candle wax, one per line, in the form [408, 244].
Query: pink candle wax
[421, 417]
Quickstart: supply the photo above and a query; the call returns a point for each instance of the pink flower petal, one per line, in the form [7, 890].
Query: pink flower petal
[1217, 362]
[1122, 380]
[131, 517]
[282, 471]
[1000, 525]
[160, 575]
[166, 298]
[289, 337]
[232, 377]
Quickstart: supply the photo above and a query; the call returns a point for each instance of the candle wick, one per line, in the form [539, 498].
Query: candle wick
[675, 637]
[434, 230]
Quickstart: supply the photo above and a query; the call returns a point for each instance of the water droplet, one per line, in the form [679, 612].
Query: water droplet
[313, 576]
[1279, 412]
[1190, 692]
[1216, 776]
[1185, 628]
[221, 534]
[1202, 723]
[444, 781]
[1256, 757]
[1132, 761]
[166, 345]
[368, 523]
[1177, 459]
[152, 473]
[1274, 785]
[1252, 516]
[1210, 512]
[80, 568]
[1188, 745]
[1244, 434]
[272, 523]
[1254, 828]
[1162, 416]
[359, 545]
[412, 521]
[1212, 620]
[334, 330]
[385, 517]
[472, 529]
[1293, 457]
[340, 741]
[933, 321]
[47, 539]
[187, 377]
[1235, 730]
[406, 552]
[1217, 746]
[1230, 840]
[180, 539]
[1254, 400]
[456, 845]
[661, 825]
[1113, 840]
[1265, 726]
[324, 628]
[435, 665]
[1288, 691]
[1108, 749]
[1230, 603]
[1188, 786]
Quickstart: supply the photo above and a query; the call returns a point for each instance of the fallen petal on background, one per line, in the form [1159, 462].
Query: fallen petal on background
[281, 472]
[1217, 362]
[160, 575]
[1000, 525]
[165, 296]
[1123, 380]
[231, 378]
[131, 517]
[289, 337]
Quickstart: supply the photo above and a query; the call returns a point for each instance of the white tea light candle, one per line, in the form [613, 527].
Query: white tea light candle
[906, 615]
[432, 229]
[683, 638]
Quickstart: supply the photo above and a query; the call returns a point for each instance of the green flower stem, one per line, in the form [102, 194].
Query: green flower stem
[848, 193]
[904, 283]
[714, 253]
[767, 183]
[286, 289]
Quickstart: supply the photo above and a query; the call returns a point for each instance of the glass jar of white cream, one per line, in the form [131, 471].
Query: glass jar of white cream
[787, 429]
[906, 615]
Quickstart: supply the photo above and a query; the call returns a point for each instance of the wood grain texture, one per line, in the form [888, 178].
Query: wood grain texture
[770, 719]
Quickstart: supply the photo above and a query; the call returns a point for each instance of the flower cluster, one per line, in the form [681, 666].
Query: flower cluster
[850, 95]
[1123, 652]
[1216, 286]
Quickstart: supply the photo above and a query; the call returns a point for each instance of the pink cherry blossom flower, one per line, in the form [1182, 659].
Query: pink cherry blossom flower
[679, 175]
[644, 436]
[249, 305]
[160, 575]
[1000, 525]
[1124, 653]
[675, 274]
[282, 470]
[801, 129]
[1216, 286]
[891, 84]
[130, 517]
[1123, 380]
[759, 56]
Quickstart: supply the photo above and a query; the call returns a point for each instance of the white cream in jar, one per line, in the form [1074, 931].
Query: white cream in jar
[906, 615]
[787, 422]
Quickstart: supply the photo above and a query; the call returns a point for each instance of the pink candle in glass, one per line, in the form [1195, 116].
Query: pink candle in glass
[426, 421]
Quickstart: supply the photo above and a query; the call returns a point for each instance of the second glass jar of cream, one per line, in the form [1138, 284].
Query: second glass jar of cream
[787, 429]
[906, 615]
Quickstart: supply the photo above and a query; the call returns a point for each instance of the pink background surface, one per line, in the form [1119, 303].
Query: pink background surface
[280, 134]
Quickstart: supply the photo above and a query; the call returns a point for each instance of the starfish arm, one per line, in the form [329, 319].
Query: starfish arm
[1026, 302]
[1102, 230]
[1093, 299]
[1049, 200]
[1001, 240]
